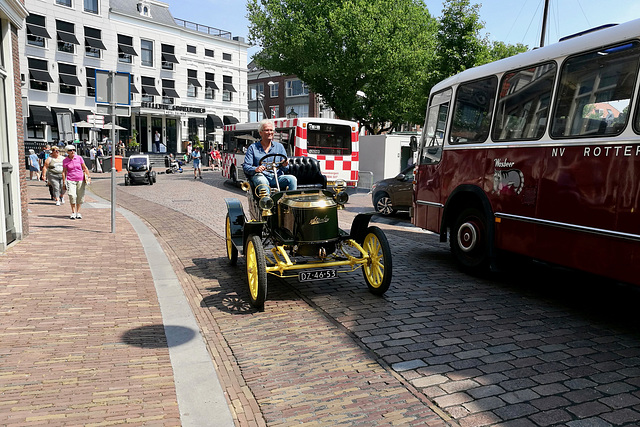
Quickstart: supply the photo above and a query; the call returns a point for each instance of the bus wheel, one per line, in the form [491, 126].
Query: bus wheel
[469, 241]
[256, 272]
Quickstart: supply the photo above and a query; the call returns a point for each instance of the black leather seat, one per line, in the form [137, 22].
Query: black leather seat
[307, 171]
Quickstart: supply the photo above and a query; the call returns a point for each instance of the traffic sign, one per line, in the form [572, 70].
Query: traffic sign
[95, 120]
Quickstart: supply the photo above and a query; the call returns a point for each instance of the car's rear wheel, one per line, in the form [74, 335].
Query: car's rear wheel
[232, 252]
[378, 269]
[256, 272]
[383, 205]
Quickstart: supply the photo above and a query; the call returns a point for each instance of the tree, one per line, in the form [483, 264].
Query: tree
[338, 48]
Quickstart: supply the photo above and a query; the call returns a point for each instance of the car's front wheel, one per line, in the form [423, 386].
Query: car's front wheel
[256, 272]
[378, 269]
[232, 251]
[382, 204]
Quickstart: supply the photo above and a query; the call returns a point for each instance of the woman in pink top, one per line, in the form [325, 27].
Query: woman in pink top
[75, 177]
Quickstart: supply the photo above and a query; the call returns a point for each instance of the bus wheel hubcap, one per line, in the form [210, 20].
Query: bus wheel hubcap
[467, 237]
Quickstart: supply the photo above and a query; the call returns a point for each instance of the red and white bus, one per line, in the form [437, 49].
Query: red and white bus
[334, 143]
[539, 154]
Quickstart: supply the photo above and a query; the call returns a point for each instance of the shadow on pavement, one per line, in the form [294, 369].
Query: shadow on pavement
[155, 336]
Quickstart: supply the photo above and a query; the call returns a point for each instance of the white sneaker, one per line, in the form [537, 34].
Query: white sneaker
[78, 216]
[73, 216]
[58, 203]
[62, 200]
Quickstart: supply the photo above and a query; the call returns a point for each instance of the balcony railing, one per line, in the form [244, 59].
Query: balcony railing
[203, 28]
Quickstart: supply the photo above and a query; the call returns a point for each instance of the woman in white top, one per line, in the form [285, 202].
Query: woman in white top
[52, 172]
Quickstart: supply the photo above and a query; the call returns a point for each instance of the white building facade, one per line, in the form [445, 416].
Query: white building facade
[187, 79]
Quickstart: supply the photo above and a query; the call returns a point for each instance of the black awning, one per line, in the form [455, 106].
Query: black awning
[40, 76]
[37, 30]
[134, 89]
[196, 121]
[60, 110]
[171, 93]
[67, 37]
[169, 57]
[194, 82]
[39, 115]
[80, 115]
[95, 43]
[91, 82]
[125, 48]
[229, 87]
[230, 120]
[210, 84]
[70, 80]
[149, 90]
[214, 121]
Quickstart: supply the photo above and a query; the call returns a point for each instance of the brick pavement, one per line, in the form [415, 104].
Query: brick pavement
[81, 337]
[533, 346]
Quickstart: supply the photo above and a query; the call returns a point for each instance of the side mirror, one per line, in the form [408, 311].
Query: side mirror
[413, 143]
[400, 177]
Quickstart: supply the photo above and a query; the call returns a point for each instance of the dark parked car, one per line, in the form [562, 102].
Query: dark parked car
[393, 194]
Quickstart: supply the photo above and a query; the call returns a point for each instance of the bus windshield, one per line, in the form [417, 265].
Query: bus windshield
[324, 138]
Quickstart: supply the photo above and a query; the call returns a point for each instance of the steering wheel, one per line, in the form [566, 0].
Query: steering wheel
[274, 163]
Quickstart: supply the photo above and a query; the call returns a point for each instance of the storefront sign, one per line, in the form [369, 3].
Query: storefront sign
[172, 107]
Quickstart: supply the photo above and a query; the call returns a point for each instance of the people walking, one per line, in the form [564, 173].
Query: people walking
[52, 173]
[197, 168]
[156, 141]
[75, 177]
[34, 165]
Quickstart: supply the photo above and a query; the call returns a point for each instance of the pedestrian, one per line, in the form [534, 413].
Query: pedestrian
[256, 151]
[156, 141]
[215, 158]
[99, 154]
[52, 172]
[75, 176]
[44, 155]
[197, 169]
[189, 151]
[34, 165]
[92, 156]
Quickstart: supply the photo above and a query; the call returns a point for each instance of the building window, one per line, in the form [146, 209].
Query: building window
[148, 89]
[255, 90]
[146, 53]
[168, 91]
[274, 90]
[93, 45]
[68, 79]
[64, 3]
[192, 83]
[296, 88]
[209, 85]
[67, 40]
[208, 52]
[126, 52]
[36, 30]
[226, 57]
[39, 77]
[91, 81]
[191, 49]
[168, 57]
[91, 6]
[227, 88]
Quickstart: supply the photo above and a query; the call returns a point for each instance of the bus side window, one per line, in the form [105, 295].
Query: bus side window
[523, 104]
[595, 91]
[472, 111]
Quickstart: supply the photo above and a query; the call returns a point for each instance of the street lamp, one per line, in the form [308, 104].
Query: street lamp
[292, 114]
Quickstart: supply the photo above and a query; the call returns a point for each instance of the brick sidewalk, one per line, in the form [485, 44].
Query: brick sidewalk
[81, 334]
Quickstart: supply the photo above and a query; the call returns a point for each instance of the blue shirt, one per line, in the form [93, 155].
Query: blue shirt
[255, 153]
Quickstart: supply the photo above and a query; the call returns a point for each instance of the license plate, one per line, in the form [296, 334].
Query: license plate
[307, 276]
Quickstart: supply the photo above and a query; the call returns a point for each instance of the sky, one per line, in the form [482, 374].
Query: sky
[521, 22]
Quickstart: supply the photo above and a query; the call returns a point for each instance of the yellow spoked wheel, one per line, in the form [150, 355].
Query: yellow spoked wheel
[377, 271]
[256, 271]
[232, 252]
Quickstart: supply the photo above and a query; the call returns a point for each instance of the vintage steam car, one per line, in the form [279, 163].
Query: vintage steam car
[296, 233]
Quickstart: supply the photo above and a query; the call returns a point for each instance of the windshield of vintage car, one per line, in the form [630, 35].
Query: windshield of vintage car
[325, 138]
[137, 164]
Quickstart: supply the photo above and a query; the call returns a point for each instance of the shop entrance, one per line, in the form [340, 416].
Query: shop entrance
[172, 135]
[143, 135]
[156, 126]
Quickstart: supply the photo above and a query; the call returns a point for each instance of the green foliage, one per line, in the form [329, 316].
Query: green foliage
[196, 142]
[133, 142]
[380, 47]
